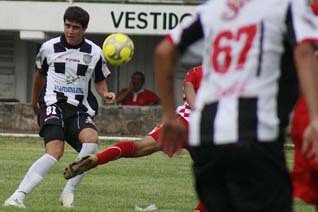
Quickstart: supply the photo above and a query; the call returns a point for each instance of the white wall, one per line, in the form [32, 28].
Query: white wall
[21, 70]
[105, 18]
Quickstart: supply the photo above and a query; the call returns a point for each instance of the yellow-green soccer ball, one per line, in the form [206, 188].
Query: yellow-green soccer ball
[118, 49]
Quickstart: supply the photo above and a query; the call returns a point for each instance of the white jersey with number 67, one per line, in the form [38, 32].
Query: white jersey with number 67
[249, 84]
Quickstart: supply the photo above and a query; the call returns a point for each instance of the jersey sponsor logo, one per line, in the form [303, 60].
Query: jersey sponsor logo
[68, 89]
[233, 8]
[72, 60]
[70, 79]
[87, 58]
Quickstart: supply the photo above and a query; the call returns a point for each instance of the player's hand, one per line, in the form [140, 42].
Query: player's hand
[310, 140]
[109, 98]
[173, 136]
[130, 86]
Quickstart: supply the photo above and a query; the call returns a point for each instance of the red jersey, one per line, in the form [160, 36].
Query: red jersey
[143, 97]
[194, 76]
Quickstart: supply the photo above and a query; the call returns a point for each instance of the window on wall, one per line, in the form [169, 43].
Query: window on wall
[6, 53]
[7, 66]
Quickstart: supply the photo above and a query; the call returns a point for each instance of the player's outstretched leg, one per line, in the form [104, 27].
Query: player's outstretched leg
[119, 150]
[81, 166]
[126, 149]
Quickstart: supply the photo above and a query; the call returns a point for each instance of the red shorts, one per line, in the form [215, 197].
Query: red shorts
[305, 171]
[155, 133]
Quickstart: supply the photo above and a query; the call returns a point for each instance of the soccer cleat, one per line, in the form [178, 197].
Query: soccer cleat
[79, 167]
[14, 203]
[67, 200]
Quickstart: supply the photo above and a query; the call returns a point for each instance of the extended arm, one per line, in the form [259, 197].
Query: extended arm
[189, 93]
[102, 89]
[307, 68]
[165, 61]
[173, 133]
[38, 83]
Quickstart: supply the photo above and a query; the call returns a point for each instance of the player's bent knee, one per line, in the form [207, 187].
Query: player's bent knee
[53, 137]
[55, 148]
[88, 135]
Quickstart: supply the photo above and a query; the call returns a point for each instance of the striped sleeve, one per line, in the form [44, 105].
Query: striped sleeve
[41, 61]
[186, 34]
[101, 70]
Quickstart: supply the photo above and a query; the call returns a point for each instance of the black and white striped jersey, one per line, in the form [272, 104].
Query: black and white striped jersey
[249, 84]
[69, 70]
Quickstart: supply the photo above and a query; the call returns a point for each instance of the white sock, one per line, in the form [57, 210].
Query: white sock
[34, 175]
[87, 148]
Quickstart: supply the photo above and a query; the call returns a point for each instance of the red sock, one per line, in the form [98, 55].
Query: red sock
[119, 150]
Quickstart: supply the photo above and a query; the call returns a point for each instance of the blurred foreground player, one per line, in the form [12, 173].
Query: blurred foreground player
[237, 127]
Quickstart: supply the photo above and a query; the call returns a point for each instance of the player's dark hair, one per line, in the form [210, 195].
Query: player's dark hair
[77, 14]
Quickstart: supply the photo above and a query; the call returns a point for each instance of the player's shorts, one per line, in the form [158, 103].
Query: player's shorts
[64, 122]
[249, 176]
[305, 171]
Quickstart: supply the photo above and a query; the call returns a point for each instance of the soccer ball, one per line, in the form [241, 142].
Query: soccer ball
[118, 49]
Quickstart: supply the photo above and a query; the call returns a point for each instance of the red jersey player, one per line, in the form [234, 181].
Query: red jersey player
[148, 144]
[305, 170]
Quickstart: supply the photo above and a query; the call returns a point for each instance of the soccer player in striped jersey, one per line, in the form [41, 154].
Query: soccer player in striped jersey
[252, 52]
[63, 101]
[149, 144]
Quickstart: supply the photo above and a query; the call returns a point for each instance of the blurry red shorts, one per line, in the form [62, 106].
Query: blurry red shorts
[155, 133]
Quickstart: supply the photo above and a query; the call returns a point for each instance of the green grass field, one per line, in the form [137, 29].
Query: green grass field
[115, 187]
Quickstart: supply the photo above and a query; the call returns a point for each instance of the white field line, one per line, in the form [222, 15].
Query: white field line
[115, 138]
